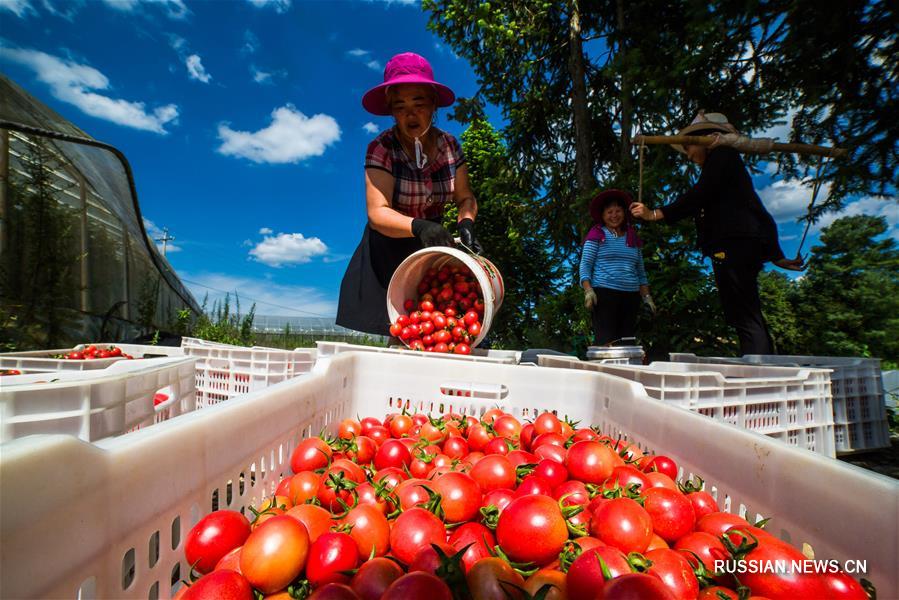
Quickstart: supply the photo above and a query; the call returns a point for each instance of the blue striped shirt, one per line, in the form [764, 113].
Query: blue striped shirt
[612, 264]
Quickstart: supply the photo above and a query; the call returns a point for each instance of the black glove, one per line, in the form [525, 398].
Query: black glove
[431, 233]
[466, 235]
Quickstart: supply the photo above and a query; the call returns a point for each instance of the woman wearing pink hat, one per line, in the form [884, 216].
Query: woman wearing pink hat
[412, 171]
[611, 269]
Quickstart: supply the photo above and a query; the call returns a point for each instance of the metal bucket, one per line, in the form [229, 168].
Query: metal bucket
[627, 355]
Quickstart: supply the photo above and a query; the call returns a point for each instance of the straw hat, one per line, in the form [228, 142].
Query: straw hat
[407, 67]
[704, 124]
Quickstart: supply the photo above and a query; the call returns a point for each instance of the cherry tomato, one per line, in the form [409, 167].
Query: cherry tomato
[370, 530]
[492, 578]
[330, 554]
[460, 496]
[532, 529]
[275, 553]
[493, 472]
[636, 585]
[224, 584]
[315, 519]
[414, 529]
[675, 572]
[310, 454]
[418, 585]
[624, 524]
[214, 536]
[479, 540]
[671, 512]
[374, 577]
[591, 462]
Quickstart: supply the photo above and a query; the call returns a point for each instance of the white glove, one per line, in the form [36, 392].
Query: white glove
[589, 299]
[647, 300]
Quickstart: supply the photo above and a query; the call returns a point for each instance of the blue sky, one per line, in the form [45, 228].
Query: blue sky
[243, 123]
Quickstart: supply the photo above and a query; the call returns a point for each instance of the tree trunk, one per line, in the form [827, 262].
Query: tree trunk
[583, 156]
[625, 93]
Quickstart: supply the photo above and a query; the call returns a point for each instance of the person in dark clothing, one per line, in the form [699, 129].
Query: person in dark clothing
[412, 170]
[733, 229]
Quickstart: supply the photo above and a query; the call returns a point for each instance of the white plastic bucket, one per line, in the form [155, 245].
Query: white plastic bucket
[404, 283]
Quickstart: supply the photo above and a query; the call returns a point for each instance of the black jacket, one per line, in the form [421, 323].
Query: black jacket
[729, 215]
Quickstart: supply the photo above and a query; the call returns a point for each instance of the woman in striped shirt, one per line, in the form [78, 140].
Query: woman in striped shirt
[611, 270]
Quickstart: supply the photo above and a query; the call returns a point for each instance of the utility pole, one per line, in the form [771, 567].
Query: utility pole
[165, 239]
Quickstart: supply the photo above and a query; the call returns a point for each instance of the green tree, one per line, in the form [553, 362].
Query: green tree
[850, 294]
[780, 297]
[509, 233]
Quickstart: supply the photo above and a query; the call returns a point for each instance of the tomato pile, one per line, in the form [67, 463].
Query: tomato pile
[93, 352]
[447, 315]
[10, 372]
[416, 507]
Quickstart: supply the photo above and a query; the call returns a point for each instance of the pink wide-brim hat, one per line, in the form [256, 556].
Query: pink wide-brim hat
[407, 67]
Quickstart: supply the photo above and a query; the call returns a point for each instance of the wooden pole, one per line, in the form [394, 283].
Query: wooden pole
[703, 140]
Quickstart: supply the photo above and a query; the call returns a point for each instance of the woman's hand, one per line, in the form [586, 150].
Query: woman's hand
[589, 298]
[791, 264]
[640, 211]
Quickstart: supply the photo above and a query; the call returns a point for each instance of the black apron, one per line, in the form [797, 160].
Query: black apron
[363, 291]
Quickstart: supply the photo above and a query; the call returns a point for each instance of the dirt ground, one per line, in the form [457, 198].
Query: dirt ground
[884, 460]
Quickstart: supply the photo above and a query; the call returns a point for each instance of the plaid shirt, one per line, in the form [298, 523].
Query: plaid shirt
[417, 193]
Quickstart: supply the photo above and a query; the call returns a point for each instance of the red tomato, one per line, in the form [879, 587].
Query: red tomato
[362, 450]
[418, 585]
[636, 585]
[552, 471]
[315, 519]
[624, 477]
[585, 578]
[552, 452]
[455, 447]
[303, 486]
[348, 429]
[657, 479]
[675, 572]
[213, 537]
[460, 497]
[379, 434]
[532, 529]
[719, 522]
[662, 464]
[392, 453]
[275, 553]
[706, 547]
[310, 454]
[428, 560]
[413, 530]
[374, 577]
[622, 523]
[328, 556]
[493, 472]
[370, 530]
[479, 540]
[779, 586]
[703, 503]
[230, 561]
[572, 492]
[462, 348]
[526, 435]
[533, 485]
[400, 425]
[591, 462]
[332, 591]
[547, 423]
[843, 587]
[717, 592]
[671, 512]
[222, 585]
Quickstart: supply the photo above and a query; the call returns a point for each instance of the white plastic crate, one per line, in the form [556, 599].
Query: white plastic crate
[224, 371]
[327, 350]
[792, 405]
[42, 361]
[860, 420]
[92, 405]
[111, 518]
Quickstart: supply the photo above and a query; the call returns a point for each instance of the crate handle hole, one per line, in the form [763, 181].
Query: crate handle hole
[153, 549]
[128, 569]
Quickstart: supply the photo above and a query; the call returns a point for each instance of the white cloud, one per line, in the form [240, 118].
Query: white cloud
[195, 68]
[358, 52]
[73, 83]
[400, 2]
[787, 199]
[271, 298]
[374, 65]
[20, 8]
[260, 76]
[291, 138]
[371, 127]
[875, 206]
[288, 249]
[174, 9]
[251, 42]
[155, 234]
[280, 6]
[265, 231]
